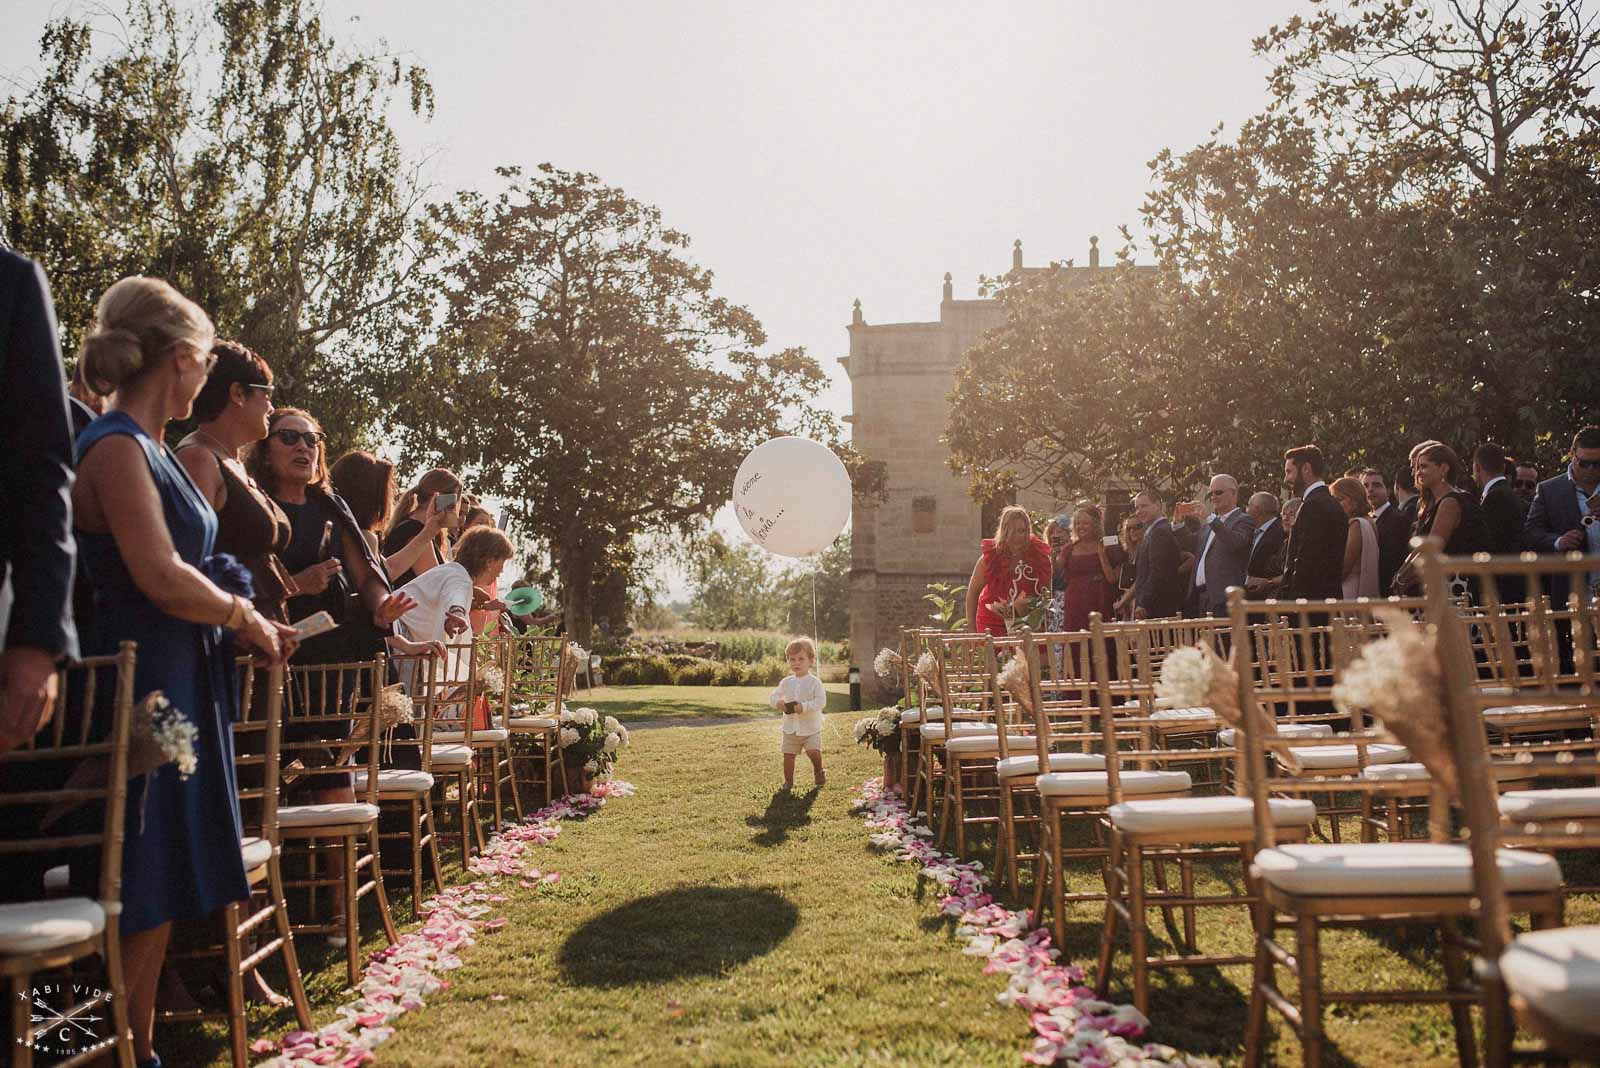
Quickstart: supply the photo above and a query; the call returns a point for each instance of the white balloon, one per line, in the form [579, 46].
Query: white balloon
[792, 496]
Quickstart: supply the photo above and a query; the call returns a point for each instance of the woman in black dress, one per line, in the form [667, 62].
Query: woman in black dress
[1450, 514]
[434, 501]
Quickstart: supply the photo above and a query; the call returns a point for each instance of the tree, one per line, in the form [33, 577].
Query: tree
[732, 586]
[248, 159]
[832, 604]
[1393, 251]
[587, 374]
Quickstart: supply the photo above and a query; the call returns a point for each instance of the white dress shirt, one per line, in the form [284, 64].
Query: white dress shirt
[807, 691]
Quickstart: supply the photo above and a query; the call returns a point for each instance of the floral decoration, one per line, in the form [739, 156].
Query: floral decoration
[1397, 679]
[887, 663]
[585, 736]
[1013, 679]
[400, 978]
[1070, 1025]
[927, 672]
[881, 731]
[1196, 677]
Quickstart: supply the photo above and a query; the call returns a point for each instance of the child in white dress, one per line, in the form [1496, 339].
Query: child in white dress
[801, 699]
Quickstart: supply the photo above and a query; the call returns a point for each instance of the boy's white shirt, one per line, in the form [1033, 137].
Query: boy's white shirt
[812, 698]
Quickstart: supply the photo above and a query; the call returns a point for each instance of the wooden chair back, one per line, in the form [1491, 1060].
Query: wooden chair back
[51, 770]
[329, 716]
[256, 738]
[537, 679]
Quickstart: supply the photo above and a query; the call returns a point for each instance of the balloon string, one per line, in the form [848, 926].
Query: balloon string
[815, 637]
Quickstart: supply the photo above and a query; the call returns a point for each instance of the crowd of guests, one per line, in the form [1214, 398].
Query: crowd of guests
[1345, 538]
[200, 552]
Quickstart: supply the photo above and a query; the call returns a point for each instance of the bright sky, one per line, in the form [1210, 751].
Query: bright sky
[820, 152]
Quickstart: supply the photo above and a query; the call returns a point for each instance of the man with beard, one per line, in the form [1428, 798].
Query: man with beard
[1314, 561]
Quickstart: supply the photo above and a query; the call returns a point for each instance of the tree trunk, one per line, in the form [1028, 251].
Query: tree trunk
[577, 594]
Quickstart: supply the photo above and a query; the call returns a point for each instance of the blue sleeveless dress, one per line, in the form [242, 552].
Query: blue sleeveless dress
[180, 857]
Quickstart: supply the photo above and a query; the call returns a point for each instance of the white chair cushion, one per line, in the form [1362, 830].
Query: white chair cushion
[1413, 772]
[530, 723]
[256, 852]
[34, 926]
[1557, 972]
[450, 755]
[1226, 735]
[1092, 785]
[486, 736]
[1396, 868]
[1337, 757]
[397, 781]
[1015, 766]
[984, 742]
[57, 880]
[935, 731]
[1183, 814]
[329, 815]
[1531, 710]
[1566, 803]
[1200, 714]
[910, 715]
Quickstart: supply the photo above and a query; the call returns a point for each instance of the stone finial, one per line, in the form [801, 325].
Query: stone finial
[855, 314]
[1094, 252]
[949, 287]
[1016, 254]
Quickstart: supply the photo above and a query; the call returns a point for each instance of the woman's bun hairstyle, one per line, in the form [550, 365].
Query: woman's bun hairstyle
[134, 322]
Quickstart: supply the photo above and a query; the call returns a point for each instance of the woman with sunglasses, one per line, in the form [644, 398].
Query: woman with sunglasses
[147, 535]
[232, 411]
[331, 565]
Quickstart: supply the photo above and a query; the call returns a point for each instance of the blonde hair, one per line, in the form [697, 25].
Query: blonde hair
[135, 321]
[1010, 514]
[1352, 490]
[802, 645]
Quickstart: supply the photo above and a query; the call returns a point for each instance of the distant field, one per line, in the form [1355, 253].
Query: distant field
[741, 645]
[637, 704]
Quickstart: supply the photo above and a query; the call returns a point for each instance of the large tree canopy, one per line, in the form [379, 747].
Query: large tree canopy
[1394, 250]
[246, 157]
[585, 372]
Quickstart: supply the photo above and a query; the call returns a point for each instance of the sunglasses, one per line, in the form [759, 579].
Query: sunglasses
[1218, 493]
[310, 438]
[255, 385]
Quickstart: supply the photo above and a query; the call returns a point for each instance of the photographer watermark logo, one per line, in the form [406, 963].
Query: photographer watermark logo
[62, 1030]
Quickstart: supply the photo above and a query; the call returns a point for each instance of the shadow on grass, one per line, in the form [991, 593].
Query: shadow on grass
[693, 930]
[786, 811]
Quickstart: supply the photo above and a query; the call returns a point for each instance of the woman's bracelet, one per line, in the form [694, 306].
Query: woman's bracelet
[241, 612]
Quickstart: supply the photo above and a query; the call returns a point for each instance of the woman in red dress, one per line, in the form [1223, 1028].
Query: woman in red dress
[1090, 573]
[1013, 569]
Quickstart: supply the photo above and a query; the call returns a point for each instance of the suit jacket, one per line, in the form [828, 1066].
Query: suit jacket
[1314, 564]
[1225, 548]
[1554, 512]
[1157, 586]
[36, 546]
[1409, 509]
[1266, 557]
[1394, 544]
[1502, 514]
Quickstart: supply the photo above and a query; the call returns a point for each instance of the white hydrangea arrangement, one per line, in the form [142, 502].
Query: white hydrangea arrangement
[1398, 680]
[881, 731]
[927, 672]
[595, 740]
[887, 664]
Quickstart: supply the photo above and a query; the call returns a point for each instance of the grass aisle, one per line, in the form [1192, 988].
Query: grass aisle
[712, 920]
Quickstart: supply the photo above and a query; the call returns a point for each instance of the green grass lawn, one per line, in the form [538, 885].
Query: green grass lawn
[714, 920]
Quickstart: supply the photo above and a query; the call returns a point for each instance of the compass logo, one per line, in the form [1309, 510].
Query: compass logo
[64, 1031]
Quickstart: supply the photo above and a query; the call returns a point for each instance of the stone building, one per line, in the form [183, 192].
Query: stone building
[928, 530]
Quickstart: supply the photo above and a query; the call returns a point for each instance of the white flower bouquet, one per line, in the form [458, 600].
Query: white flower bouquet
[928, 673]
[1196, 677]
[1398, 680]
[588, 738]
[159, 735]
[881, 731]
[1013, 679]
[887, 664]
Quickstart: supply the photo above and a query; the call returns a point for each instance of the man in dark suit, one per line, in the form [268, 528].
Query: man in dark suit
[1393, 528]
[1314, 562]
[36, 547]
[1405, 495]
[1223, 550]
[1525, 480]
[1502, 512]
[1265, 564]
[1157, 587]
[1555, 522]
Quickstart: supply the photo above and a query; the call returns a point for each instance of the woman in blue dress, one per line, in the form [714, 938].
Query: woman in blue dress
[145, 533]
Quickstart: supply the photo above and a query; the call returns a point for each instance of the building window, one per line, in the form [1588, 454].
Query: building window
[924, 514]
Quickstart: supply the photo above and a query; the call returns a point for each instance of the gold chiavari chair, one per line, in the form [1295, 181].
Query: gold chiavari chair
[451, 762]
[330, 731]
[538, 690]
[256, 762]
[41, 936]
[1306, 887]
[940, 716]
[490, 744]
[405, 787]
[1078, 797]
[969, 747]
[1546, 980]
[1066, 695]
[1184, 829]
[910, 718]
